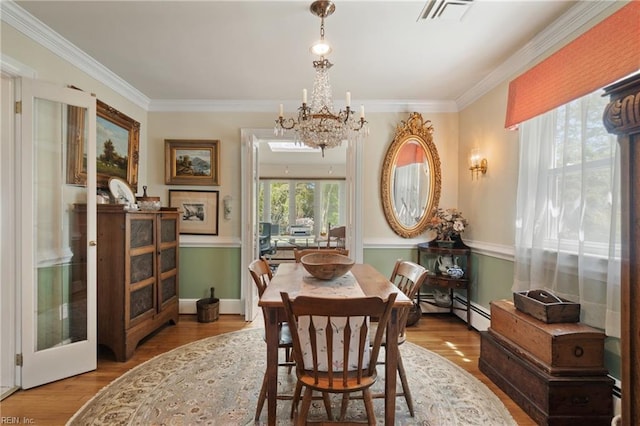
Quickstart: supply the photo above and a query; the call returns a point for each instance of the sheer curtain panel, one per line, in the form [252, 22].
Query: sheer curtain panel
[568, 210]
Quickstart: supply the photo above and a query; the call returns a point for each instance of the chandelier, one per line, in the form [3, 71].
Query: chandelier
[317, 126]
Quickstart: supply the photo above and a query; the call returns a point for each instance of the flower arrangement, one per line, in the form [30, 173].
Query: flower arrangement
[447, 223]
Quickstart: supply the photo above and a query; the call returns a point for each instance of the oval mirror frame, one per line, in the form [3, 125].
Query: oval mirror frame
[414, 130]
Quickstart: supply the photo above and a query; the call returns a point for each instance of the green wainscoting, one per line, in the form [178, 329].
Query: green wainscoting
[204, 267]
[494, 275]
[383, 259]
[53, 298]
[492, 279]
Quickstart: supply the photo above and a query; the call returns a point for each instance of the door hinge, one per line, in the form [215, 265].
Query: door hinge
[19, 360]
[18, 107]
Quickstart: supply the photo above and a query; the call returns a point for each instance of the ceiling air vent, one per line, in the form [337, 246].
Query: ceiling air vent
[450, 10]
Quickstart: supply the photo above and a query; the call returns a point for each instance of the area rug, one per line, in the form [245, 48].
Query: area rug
[216, 381]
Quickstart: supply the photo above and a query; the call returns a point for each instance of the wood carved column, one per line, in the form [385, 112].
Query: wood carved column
[622, 117]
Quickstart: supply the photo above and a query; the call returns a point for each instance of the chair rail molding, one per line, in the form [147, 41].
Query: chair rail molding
[499, 251]
[209, 241]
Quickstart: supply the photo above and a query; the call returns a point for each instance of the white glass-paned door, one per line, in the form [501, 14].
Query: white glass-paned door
[58, 241]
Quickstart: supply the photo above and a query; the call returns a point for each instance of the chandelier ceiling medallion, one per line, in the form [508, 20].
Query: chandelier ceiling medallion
[317, 126]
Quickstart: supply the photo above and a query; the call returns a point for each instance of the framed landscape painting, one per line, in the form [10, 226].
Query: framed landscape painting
[192, 162]
[117, 145]
[198, 210]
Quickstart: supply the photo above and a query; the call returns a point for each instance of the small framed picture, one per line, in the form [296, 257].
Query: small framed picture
[192, 162]
[198, 211]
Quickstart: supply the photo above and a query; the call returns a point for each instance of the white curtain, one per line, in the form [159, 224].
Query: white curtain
[407, 193]
[568, 210]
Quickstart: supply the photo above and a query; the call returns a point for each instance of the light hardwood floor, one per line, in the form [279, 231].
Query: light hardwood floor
[53, 404]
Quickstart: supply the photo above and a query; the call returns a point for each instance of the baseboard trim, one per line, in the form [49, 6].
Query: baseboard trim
[480, 316]
[227, 306]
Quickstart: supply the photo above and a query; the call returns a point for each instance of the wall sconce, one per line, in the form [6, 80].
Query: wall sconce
[226, 203]
[477, 164]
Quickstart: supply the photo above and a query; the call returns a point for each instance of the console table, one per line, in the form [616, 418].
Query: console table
[428, 254]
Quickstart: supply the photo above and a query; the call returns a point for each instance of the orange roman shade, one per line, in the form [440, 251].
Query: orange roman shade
[410, 153]
[607, 52]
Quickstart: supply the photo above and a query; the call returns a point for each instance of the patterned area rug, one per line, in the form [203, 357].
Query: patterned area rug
[216, 381]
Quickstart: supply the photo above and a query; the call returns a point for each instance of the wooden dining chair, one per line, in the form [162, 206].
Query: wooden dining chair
[261, 274]
[408, 277]
[298, 253]
[332, 347]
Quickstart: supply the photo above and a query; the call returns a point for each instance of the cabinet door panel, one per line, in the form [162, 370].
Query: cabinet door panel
[168, 230]
[142, 232]
[168, 259]
[141, 301]
[169, 288]
[141, 267]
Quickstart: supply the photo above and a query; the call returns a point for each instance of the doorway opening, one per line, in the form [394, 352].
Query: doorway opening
[300, 195]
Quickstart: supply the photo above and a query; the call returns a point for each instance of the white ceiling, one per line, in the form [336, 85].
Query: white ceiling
[258, 51]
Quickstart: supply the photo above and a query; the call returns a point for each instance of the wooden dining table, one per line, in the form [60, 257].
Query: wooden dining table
[363, 280]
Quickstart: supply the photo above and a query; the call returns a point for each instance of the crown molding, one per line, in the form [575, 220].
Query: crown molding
[36, 30]
[270, 106]
[569, 26]
[12, 68]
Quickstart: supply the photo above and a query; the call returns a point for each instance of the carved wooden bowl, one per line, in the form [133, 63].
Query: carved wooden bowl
[326, 266]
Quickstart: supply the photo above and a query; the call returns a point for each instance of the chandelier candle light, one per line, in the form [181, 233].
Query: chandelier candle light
[317, 126]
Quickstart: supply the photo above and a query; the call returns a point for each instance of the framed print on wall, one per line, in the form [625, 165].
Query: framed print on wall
[118, 140]
[191, 162]
[198, 210]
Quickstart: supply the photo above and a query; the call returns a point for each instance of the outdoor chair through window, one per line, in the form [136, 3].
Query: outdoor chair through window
[337, 234]
[266, 246]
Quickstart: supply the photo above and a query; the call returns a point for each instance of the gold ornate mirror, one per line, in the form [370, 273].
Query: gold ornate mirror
[411, 177]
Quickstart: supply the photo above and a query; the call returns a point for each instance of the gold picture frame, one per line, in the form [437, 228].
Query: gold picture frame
[192, 162]
[117, 146]
[198, 210]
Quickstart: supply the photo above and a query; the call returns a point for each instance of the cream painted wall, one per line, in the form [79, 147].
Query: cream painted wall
[489, 202]
[226, 127]
[383, 126]
[204, 125]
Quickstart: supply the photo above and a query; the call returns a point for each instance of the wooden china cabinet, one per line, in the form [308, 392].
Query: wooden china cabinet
[622, 117]
[137, 275]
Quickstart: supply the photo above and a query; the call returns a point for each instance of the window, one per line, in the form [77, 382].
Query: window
[307, 207]
[580, 177]
[568, 210]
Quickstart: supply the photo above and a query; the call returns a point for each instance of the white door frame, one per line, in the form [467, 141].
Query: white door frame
[250, 139]
[10, 372]
[249, 249]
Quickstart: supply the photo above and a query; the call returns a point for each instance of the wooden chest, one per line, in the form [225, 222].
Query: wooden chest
[548, 399]
[559, 349]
